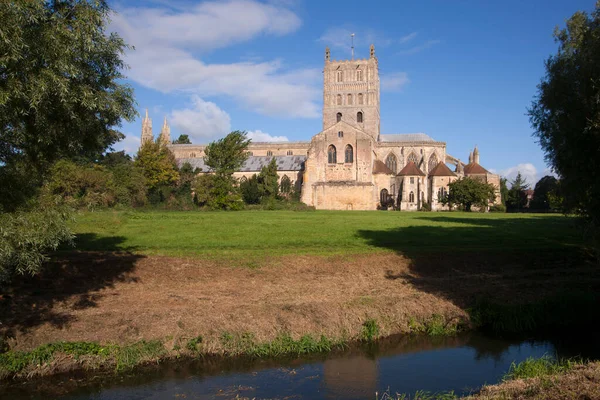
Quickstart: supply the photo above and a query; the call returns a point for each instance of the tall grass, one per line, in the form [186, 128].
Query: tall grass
[538, 367]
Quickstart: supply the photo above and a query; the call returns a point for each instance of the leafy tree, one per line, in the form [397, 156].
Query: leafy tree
[543, 192]
[468, 192]
[224, 157]
[182, 139]
[566, 112]
[250, 190]
[517, 196]
[61, 90]
[267, 181]
[158, 165]
[503, 190]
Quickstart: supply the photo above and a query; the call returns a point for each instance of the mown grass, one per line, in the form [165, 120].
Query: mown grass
[250, 234]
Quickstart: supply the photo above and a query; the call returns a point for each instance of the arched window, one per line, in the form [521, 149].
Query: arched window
[331, 155]
[383, 197]
[442, 193]
[393, 190]
[192, 155]
[433, 162]
[349, 99]
[340, 76]
[339, 117]
[290, 153]
[413, 157]
[269, 153]
[359, 117]
[340, 134]
[243, 179]
[360, 98]
[392, 162]
[339, 99]
[411, 197]
[359, 75]
[349, 154]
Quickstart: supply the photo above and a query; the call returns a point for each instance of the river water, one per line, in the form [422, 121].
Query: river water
[398, 365]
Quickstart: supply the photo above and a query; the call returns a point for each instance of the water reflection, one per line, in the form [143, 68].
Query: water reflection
[402, 364]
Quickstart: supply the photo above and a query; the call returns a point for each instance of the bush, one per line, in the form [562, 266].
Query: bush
[501, 208]
[26, 237]
[425, 206]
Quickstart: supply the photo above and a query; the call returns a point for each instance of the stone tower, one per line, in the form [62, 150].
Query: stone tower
[165, 133]
[351, 92]
[147, 129]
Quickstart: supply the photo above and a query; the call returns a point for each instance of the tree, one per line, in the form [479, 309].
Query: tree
[224, 157]
[566, 112]
[468, 192]
[61, 90]
[267, 181]
[543, 192]
[250, 190]
[182, 139]
[158, 165]
[285, 187]
[503, 190]
[517, 195]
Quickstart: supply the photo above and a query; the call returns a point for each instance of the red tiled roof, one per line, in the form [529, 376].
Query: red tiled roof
[475, 169]
[380, 168]
[411, 170]
[441, 170]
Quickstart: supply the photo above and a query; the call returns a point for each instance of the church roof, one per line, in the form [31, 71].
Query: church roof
[380, 168]
[254, 163]
[411, 170]
[441, 170]
[406, 137]
[475, 169]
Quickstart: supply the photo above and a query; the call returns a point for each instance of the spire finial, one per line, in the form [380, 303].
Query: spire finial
[372, 51]
[327, 54]
[165, 123]
[146, 113]
[352, 38]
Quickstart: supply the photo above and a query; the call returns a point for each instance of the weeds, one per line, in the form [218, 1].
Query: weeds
[370, 330]
[192, 344]
[434, 326]
[538, 367]
[419, 395]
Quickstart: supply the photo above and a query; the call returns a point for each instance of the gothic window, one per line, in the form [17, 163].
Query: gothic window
[442, 192]
[413, 158]
[393, 189]
[340, 134]
[383, 197]
[269, 153]
[339, 76]
[339, 99]
[433, 162]
[412, 180]
[411, 197]
[243, 179]
[349, 154]
[290, 153]
[193, 155]
[392, 162]
[331, 155]
[359, 117]
[359, 75]
[360, 98]
[349, 99]
[339, 116]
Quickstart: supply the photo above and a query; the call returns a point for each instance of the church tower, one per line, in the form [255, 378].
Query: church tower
[165, 133]
[351, 92]
[147, 129]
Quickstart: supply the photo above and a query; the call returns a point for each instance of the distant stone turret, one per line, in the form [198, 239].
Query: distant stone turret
[476, 155]
[147, 135]
[165, 133]
[471, 157]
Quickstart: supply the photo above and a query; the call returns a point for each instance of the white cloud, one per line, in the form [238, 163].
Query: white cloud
[203, 120]
[527, 170]
[407, 38]
[130, 144]
[260, 136]
[394, 81]
[168, 44]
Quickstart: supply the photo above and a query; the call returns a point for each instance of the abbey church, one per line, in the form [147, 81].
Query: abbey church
[350, 165]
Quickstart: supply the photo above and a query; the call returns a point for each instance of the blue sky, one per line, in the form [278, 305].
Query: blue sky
[463, 72]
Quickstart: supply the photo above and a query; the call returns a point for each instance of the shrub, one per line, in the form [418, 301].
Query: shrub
[501, 208]
[370, 330]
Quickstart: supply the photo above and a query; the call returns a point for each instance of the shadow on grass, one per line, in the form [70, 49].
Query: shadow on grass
[72, 277]
[463, 259]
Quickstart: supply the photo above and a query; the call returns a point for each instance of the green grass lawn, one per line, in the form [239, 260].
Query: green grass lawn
[254, 234]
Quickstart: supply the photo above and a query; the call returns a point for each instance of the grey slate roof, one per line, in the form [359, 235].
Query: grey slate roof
[406, 137]
[254, 163]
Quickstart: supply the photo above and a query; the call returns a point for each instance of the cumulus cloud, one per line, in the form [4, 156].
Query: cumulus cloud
[169, 42]
[130, 144]
[203, 120]
[260, 136]
[527, 170]
[394, 81]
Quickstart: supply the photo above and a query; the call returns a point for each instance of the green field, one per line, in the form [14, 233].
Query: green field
[265, 233]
